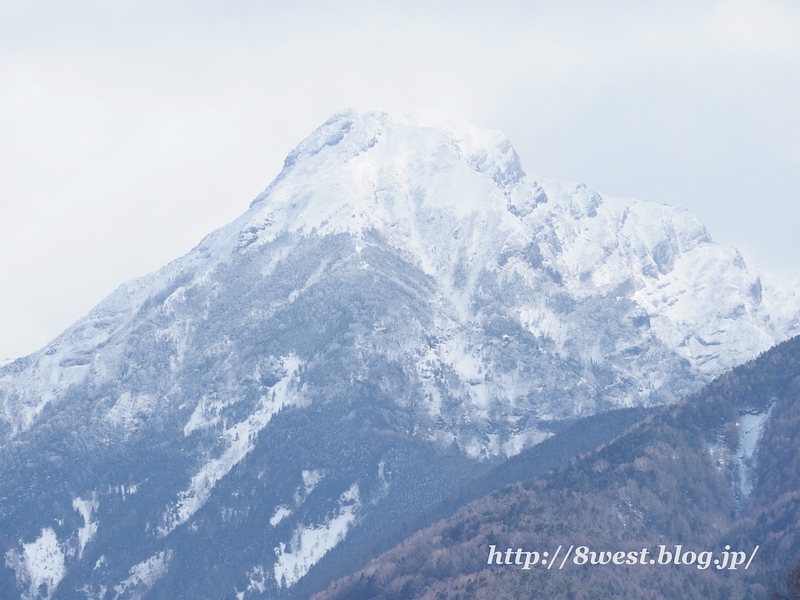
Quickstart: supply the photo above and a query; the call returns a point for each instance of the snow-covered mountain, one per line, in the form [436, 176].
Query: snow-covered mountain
[402, 304]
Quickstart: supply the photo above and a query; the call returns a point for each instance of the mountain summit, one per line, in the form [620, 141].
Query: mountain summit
[402, 305]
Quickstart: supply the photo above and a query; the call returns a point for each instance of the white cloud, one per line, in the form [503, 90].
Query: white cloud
[760, 28]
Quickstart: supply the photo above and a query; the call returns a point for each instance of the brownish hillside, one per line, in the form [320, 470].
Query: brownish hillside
[681, 477]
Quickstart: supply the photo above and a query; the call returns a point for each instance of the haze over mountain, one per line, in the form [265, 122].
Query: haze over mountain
[402, 306]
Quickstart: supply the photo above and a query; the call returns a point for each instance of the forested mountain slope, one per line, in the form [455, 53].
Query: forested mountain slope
[721, 468]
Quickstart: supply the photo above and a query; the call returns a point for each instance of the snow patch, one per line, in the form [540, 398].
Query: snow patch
[311, 479]
[258, 580]
[144, 575]
[517, 442]
[281, 512]
[309, 544]
[41, 563]
[86, 533]
[257, 583]
[751, 428]
[383, 490]
[93, 593]
[241, 439]
[121, 489]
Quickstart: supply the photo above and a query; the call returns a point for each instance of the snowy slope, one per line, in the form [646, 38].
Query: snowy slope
[402, 286]
[454, 202]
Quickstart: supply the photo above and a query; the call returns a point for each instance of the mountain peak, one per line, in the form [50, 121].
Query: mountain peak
[452, 202]
[401, 303]
[367, 169]
[355, 132]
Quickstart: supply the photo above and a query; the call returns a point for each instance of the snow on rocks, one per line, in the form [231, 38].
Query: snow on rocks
[453, 201]
[310, 543]
[40, 563]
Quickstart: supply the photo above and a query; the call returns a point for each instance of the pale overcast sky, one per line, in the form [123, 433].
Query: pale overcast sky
[128, 130]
